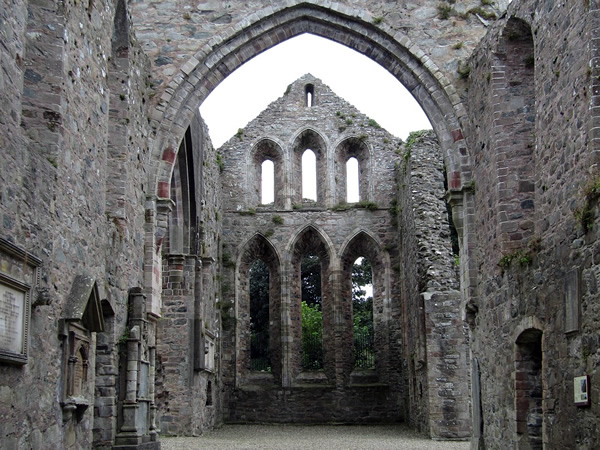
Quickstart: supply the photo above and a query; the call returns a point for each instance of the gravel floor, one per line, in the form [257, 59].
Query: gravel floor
[330, 437]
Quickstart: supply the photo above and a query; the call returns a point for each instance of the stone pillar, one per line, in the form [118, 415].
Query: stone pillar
[137, 408]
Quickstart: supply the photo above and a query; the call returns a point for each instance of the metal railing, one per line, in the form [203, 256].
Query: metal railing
[364, 350]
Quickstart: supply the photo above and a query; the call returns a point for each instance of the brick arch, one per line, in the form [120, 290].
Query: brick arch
[274, 24]
[309, 138]
[257, 247]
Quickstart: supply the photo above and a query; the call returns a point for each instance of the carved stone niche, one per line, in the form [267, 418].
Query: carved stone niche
[82, 316]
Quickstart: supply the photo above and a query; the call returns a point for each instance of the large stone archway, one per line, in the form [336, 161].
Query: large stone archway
[389, 46]
[397, 53]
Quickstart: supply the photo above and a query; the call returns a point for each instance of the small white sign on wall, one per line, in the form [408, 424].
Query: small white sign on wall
[581, 389]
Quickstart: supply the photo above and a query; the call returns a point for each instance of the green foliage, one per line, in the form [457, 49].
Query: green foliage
[220, 162]
[413, 138]
[373, 123]
[270, 232]
[481, 13]
[486, 2]
[520, 256]
[240, 133]
[312, 320]
[444, 11]
[371, 206]
[227, 261]
[310, 274]
[363, 204]
[125, 336]
[362, 312]
[362, 275]
[277, 220]
[312, 337]
[458, 45]
[591, 193]
[297, 206]
[312, 316]
[377, 20]
[349, 122]
[342, 206]
[248, 212]
[464, 70]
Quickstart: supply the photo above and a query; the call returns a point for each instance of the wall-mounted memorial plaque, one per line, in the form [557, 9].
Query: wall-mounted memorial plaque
[18, 275]
[581, 390]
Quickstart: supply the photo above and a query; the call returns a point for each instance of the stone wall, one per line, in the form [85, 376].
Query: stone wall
[436, 339]
[329, 227]
[188, 384]
[407, 333]
[95, 105]
[535, 262]
[53, 204]
[170, 33]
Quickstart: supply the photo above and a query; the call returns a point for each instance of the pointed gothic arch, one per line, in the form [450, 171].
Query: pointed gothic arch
[304, 140]
[364, 244]
[272, 25]
[353, 147]
[265, 149]
[256, 248]
[311, 241]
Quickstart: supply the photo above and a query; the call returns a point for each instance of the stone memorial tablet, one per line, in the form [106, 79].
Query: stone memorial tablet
[12, 314]
[18, 275]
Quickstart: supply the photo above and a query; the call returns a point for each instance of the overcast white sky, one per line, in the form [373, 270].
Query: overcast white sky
[362, 82]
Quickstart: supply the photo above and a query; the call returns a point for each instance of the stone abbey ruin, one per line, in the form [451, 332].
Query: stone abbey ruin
[129, 244]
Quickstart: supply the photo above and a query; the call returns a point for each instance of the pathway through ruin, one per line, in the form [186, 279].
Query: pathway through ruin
[298, 437]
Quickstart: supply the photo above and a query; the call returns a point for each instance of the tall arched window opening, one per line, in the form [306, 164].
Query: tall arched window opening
[352, 181]
[529, 389]
[258, 276]
[312, 315]
[362, 313]
[267, 182]
[309, 91]
[309, 176]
